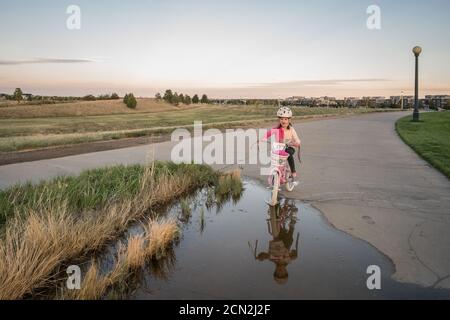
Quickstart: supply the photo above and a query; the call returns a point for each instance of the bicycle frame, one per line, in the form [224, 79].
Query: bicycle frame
[279, 163]
[280, 172]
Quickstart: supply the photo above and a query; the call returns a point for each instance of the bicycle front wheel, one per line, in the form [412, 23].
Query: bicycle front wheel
[290, 184]
[275, 188]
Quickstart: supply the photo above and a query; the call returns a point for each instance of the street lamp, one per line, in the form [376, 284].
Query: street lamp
[401, 102]
[416, 50]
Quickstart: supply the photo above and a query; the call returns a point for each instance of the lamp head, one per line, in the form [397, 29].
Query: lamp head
[417, 50]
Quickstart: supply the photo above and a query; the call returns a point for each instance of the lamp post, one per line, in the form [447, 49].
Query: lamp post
[416, 50]
[401, 100]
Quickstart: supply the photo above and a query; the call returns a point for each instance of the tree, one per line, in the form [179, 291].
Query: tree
[104, 97]
[131, 101]
[204, 99]
[175, 99]
[181, 98]
[158, 96]
[18, 95]
[125, 98]
[114, 96]
[168, 96]
[187, 99]
[89, 97]
[195, 99]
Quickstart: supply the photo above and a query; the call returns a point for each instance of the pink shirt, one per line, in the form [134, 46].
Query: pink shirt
[284, 135]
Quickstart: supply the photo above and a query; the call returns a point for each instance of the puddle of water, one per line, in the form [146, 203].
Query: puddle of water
[244, 250]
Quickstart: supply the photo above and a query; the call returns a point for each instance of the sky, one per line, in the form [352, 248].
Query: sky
[226, 49]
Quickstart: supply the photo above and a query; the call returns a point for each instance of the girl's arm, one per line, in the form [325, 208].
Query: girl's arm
[267, 135]
[264, 138]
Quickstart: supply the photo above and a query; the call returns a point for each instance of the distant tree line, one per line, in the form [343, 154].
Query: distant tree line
[19, 96]
[90, 97]
[176, 99]
[265, 102]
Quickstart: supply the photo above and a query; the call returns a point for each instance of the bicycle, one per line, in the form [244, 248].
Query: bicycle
[280, 172]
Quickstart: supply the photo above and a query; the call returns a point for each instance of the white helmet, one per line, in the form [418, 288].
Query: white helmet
[284, 112]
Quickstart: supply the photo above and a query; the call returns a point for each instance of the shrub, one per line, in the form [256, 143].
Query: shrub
[18, 95]
[175, 99]
[204, 99]
[168, 96]
[130, 101]
[89, 97]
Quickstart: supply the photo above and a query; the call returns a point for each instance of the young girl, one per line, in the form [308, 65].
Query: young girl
[285, 133]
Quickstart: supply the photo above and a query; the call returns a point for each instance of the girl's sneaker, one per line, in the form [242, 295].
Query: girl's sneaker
[293, 180]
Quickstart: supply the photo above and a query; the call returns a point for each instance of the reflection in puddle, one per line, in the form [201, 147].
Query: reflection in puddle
[281, 226]
[237, 247]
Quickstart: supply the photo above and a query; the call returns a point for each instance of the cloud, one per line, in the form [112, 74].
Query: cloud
[309, 83]
[43, 60]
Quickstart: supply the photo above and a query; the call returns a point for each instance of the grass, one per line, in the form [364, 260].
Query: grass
[84, 108]
[202, 220]
[28, 127]
[430, 138]
[159, 234]
[229, 186]
[47, 225]
[185, 208]
[92, 189]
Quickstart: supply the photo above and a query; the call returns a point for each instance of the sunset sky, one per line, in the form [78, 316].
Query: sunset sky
[245, 48]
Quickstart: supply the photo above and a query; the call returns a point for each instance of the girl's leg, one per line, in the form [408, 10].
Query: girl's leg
[291, 161]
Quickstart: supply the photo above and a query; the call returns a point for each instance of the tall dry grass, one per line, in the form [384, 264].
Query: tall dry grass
[229, 186]
[130, 257]
[37, 242]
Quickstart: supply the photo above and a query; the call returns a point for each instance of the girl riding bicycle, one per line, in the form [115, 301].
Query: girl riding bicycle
[285, 133]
